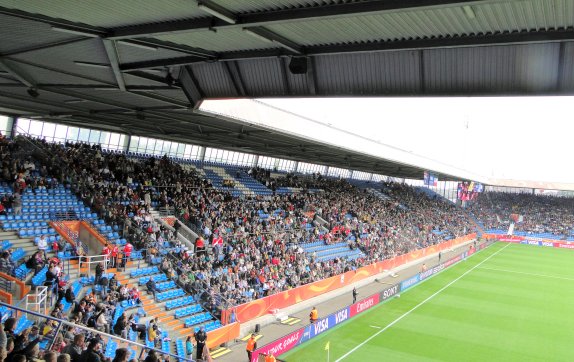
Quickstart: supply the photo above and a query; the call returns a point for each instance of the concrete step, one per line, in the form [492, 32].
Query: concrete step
[19, 241]
[10, 237]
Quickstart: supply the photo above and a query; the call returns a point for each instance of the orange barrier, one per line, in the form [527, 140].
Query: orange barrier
[72, 225]
[94, 233]
[222, 334]
[170, 220]
[24, 289]
[257, 308]
[6, 297]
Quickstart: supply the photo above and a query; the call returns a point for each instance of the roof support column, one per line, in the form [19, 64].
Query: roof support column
[201, 154]
[255, 161]
[296, 166]
[11, 127]
[127, 143]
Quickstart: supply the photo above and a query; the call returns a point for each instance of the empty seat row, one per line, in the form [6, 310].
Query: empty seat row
[40, 278]
[32, 232]
[6, 244]
[171, 294]
[166, 286]
[156, 278]
[144, 271]
[178, 303]
[197, 319]
[18, 254]
[184, 312]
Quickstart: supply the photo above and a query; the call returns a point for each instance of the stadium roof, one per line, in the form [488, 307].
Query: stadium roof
[143, 66]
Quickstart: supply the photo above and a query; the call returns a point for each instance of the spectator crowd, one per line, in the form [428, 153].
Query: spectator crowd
[247, 247]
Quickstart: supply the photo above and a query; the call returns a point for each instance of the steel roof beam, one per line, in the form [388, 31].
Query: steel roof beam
[93, 31]
[18, 74]
[45, 46]
[280, 16]
[112, 54]
[400, 45]
[147, 64]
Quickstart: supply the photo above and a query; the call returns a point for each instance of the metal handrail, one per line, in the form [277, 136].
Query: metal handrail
[204, 287]
[87, 329]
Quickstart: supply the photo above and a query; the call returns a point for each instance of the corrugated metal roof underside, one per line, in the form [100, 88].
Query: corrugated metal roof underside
[46, 76]
[567, 79]
[527, 68]
[253, 6]
[20, 34]
[129, 53]
[222, 40]
[508, 69]
[110, 13]
[494, 18]
[90, 51]
[129, 100]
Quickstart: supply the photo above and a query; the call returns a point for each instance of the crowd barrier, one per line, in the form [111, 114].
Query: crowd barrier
[263, 306]
[304, 334]
[529, 240]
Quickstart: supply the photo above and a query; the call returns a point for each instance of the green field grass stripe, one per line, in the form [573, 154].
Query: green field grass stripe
[420, 304]
[529, 274]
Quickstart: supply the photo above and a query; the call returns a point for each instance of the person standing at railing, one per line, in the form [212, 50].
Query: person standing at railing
[127, 253]
[99, 273]
[189, 348]
[114, 255]
[43, 245]
[17, 204]
[200, 339]
[107, 253]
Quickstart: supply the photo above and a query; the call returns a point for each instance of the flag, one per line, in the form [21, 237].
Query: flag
[327, 346]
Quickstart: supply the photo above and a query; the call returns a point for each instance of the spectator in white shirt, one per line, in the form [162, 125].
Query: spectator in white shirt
[43, 245]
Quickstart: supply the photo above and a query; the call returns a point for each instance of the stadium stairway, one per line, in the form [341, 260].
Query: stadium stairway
[22, 249]
[174, 308]
[153, 309]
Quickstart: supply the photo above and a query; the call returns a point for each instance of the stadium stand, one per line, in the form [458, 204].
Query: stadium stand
[259, 233]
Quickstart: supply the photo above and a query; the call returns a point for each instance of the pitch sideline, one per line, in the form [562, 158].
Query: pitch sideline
[418, 305]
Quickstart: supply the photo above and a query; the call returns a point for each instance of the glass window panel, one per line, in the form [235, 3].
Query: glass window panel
[134, 143]
[61, 132]
[48, 131]
[23, 125]
[115, 139]
[72, 134]
[36, 128]
[4, 125]
[104, 138]
[150, 145]
[94, 136]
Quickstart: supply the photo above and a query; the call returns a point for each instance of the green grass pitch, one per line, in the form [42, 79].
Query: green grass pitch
[509, 302]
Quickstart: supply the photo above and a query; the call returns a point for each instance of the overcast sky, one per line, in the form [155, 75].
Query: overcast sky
[523, 138]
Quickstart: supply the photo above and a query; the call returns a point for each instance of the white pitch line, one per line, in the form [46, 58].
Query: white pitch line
[526, 273]
[375, 327]
[418, 305]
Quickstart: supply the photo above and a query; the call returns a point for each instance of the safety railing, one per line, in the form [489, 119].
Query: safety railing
[31, 316]
[38, 300]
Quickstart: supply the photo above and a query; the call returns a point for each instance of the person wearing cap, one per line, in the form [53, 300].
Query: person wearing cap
[251, 346]
[200, 339]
